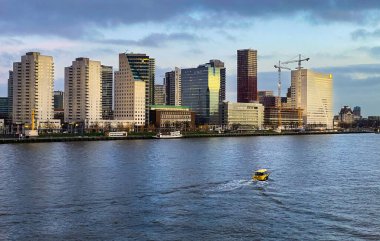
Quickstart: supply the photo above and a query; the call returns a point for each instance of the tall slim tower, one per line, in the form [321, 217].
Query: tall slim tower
[313, 93]
[173, 87]
[247, 75]
[33, 86]
[83, 91]
[130, 88]
[10, 96]
[107, 92]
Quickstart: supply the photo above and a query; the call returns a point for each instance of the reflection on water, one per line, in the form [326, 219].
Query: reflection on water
[321, 188]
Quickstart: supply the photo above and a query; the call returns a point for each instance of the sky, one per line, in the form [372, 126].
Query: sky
[340, 37]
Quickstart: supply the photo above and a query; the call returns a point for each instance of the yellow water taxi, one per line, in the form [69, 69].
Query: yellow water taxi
[261, 175]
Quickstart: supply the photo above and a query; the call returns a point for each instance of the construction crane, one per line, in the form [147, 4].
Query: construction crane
[279, 67]
[299, 60]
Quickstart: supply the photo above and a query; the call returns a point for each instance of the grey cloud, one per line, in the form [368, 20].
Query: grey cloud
[74, 19]
[362, 34]
[153, 40]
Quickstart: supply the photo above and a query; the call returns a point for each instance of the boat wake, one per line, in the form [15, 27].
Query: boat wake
[231, 185]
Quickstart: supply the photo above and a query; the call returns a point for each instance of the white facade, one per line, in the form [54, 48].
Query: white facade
[83, 91]
[245, 114]
[33, 87]
[129, 94]
[313, 92]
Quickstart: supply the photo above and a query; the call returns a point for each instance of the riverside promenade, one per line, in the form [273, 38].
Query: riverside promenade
[151, 136]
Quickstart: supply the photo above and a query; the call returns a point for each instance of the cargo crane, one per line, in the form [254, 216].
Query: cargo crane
[279, 67]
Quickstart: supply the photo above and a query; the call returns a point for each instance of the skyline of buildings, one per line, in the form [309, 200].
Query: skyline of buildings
[202, 90]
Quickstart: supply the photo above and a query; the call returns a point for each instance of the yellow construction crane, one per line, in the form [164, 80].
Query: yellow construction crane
[279, 67]
[279, 104]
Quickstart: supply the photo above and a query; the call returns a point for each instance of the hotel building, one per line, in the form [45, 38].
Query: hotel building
[313, 93]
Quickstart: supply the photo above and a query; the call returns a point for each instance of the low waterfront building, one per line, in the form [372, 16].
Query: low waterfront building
[242, 115]
[290, 118]
[166, 116]
[346, 116]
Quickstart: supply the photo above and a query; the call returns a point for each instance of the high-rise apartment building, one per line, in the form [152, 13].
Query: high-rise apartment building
[201, 92]
[83, 91]
[246, 75]
[33, 84]
[58, 100]
[130, 88]
[313, 93]
[173, 87]
[107, 92]
[159, 95]
[357, 113]
[219, 64]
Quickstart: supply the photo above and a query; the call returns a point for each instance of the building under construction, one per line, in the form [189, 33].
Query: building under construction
[289, 118]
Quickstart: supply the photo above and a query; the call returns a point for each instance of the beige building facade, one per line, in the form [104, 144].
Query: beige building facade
[83, 91]
[33, 87]
[313, 93]
[130, 94]
[243, 114]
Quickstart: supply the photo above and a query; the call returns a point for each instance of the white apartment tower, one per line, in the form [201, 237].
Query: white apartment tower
[313, 93]
[33, 87]
[83, 91]
[129, 92]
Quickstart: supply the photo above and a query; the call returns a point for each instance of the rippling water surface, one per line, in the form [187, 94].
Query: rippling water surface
[321, 188]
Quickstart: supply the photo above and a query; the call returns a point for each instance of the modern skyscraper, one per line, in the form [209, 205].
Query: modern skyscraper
[246, 75]
[58, 100]
[10, 96]
[159, 95]
[83, 91]
[130, 88]
[201, 92]
[172, 84]
[107, 92]
[313, 93]
[33, 84]
[219, 64]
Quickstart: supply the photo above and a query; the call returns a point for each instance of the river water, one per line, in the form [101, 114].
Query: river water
[324, 187]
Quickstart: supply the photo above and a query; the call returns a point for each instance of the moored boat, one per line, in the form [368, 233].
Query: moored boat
[171, 135]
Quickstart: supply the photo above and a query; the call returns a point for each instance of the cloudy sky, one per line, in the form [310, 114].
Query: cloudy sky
[340, 37]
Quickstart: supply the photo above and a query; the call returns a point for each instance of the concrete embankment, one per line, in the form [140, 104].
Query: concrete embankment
[140, 137]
